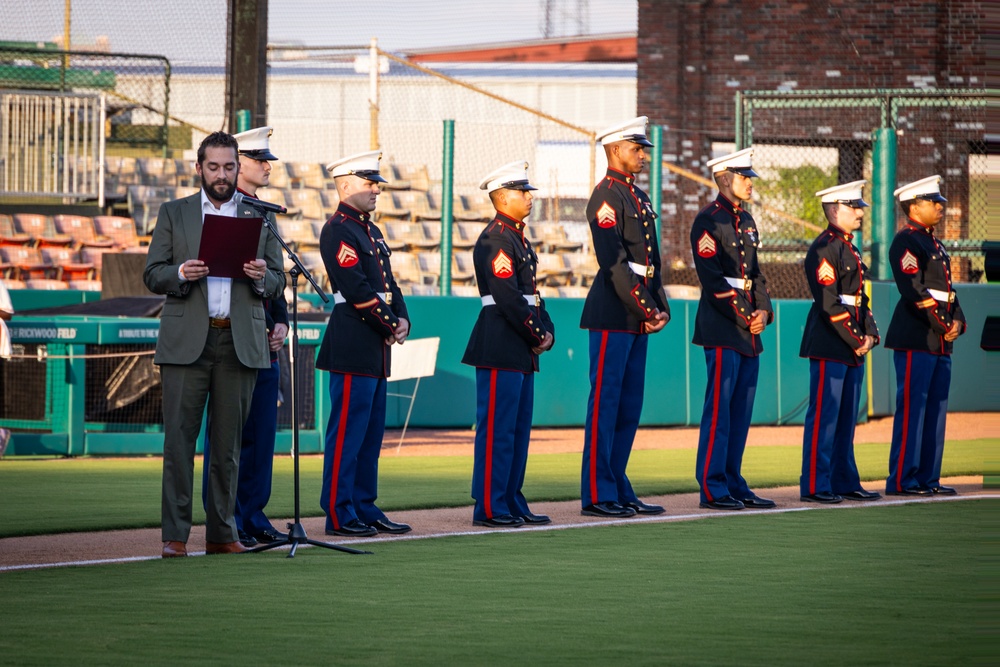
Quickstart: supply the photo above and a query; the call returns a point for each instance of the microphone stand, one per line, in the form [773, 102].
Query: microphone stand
[296, 533]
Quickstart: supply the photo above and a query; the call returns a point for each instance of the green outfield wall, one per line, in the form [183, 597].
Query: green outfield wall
[675, 376]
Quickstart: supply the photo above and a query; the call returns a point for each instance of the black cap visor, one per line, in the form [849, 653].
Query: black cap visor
[370, 175]
[518, 185]
[260, 154]
[744, 171]
[639, 139]
[934, 196]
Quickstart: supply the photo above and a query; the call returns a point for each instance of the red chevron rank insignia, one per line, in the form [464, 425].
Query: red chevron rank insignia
[606, 216]
[706, 245]
[346, 255]
[825, 275]
[502, 266]
[908, 263]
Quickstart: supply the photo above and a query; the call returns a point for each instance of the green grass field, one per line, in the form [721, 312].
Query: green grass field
[59, 495]
[888, 585]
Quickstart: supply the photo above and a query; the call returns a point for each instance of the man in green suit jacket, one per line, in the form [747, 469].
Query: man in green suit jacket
[212, 340]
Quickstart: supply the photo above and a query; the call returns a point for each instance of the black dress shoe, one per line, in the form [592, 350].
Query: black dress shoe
[246, 540]
[502, 521]
[943, 491]
[723, 503]
[861, 494]
[913, 491]
[824, 497]
[536, 519]
[608, 509]
[644, 508]
[353, 528]
[390, 527]
[756, 502]
[270, 536]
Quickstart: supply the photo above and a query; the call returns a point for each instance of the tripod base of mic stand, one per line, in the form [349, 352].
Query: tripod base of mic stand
[296, 536]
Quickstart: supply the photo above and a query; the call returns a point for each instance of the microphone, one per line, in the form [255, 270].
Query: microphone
[258, 204]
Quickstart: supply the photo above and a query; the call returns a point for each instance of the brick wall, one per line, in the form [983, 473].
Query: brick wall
[694, 55]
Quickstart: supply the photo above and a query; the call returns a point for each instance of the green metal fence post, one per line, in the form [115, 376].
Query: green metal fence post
[883, 211]
[242, 120]
[447, 193]
[656, 177]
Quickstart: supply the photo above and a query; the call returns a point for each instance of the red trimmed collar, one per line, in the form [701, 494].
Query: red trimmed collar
[728, 205]
[507, 221]
[245, 193]
[913, 224]
[628, 179]
[354, 214]
[839, 233]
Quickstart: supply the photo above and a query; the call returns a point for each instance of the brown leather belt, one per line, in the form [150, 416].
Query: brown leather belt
[220, 322]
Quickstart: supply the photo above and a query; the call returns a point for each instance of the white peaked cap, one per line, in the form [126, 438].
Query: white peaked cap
[846, 193]
[925, 188]
[633, 130]
[365, 165]
[254, 143]
[739, 162]
[512, 176]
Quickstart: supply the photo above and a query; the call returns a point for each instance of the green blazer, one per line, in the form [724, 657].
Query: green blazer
[184, 320]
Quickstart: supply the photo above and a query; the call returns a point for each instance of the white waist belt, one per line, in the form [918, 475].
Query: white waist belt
[944, 297]
[851, 300]
[641, 269]
[740, 283]
[532, 299]
[338, 297]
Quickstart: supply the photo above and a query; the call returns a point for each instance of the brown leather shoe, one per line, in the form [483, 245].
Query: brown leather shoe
[174, 550]
[212, 548]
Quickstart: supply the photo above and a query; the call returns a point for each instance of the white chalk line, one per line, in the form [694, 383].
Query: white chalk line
[531, 529]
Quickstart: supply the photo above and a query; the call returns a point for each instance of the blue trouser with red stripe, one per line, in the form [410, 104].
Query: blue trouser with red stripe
[617, 381]
[725, 423]
[828, 439]
[504, 404]
[256, 455]
[922, 383]
[353, 443]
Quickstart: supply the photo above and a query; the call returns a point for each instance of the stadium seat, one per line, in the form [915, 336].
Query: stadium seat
[118, 229]
[394, 177]
[9, 235]
[187, 175]
[85, 285]
[416, 174]
[144, 203]
[81, 229]
[157, 171]
[583, 265]
[393, 233]
[405, 268]
[432, 234]
[463, 271]
[309, 202]
[552, 270]
[12, 284]
[467, 234]
[45, 284]
[547, 292]
[421, 205]
[469, 209]
[388, 208]
[67, 262]
[424, 290]
[307, 175]
[683, 292]
[465, 290]
[571, 291]
[298, 233]
[331, 200]
[430, 266]
[26, 262]
[41, 229]
[553, 238]
[95, 256]
[279, 179]
[277, 196]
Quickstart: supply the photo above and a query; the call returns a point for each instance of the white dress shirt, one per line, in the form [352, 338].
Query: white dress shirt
[219, 289]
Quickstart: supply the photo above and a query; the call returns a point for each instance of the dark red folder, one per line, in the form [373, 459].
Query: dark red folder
[229, 243]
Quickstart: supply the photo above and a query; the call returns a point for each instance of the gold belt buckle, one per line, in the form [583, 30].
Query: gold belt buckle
[538, 300]
[951, 297]
[857, 300]
[388, 298]
[650, 271]
[747, 284]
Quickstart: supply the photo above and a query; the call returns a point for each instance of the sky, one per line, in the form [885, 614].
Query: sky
[196, 32]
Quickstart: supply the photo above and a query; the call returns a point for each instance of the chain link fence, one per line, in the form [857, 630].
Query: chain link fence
[805, 141]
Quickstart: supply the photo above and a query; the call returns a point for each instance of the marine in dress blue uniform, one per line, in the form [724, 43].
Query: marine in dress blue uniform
[512, 330]
[625, 304]
[734, 308]
[927, 320]
[253, 490]
[840, 330]
[369, 317]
